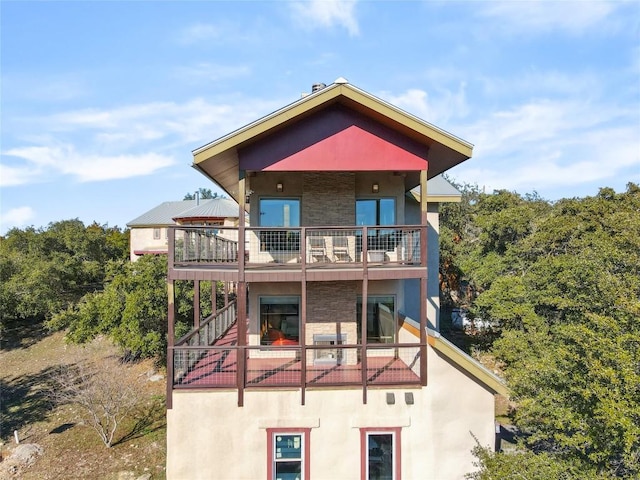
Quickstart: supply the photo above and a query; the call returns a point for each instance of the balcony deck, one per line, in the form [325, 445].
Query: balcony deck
[217, 366]
[283, 255]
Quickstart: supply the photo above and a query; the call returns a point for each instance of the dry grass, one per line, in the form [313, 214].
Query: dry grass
[73, 450]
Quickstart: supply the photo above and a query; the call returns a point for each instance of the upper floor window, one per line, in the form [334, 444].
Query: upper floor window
[373, 212]
[279, 212]
[156, 234]
[376, 211]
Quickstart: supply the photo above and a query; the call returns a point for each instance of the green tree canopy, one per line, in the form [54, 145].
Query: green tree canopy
[45, 270]
[561, 283]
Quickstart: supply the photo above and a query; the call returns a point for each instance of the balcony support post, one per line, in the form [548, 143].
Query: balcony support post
[214, 297]
[242, 291]
[196, 304]
[424, 222]
[171, 316]
[302, 339]
[363, 320]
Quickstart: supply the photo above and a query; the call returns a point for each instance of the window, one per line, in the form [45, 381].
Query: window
[288, 454]
[381, 318]
[156, 234]
[280, 212]
[279, 320]
[377, 212]
[380, 453]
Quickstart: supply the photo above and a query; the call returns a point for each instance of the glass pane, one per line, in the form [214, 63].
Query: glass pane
[387, 211]
[366, 212]
[279, 320]
[381, 319]
[289, 446]
[279, 212]
[288, 471]
[380, 456]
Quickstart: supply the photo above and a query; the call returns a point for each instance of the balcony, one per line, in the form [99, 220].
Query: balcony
[282, 254]
[211, 357]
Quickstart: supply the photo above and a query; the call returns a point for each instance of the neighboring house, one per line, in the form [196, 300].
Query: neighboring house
[148, 232]
[328, 363]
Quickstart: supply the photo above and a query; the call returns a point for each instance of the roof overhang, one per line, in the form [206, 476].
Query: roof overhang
[219, 160]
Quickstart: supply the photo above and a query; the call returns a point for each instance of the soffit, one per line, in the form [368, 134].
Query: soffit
[218, 160]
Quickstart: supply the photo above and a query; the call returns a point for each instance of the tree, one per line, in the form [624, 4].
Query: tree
[103, 397]
[526, 465]
[45, 270]
[562, 282]
[133, 307]
[205, 193]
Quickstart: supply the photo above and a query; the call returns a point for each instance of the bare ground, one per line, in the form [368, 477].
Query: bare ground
[72, 450]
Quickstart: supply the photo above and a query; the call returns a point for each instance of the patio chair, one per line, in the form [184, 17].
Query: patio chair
[341, 249]
[317, 249]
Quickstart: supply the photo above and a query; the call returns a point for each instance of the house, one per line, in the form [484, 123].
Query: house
[148, 232]
[328, 363]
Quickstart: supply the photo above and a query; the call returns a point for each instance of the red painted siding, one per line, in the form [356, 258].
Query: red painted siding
[351, 150]
[335, 139]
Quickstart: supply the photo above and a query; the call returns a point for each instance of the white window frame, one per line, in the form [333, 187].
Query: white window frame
[274, 459]
[395, 432]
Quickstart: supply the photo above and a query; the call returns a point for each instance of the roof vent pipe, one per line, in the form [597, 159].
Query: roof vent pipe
[317, 86]
[198, 198]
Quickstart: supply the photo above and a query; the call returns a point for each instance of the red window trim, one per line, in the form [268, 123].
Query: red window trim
[396, 449]
[306, 433]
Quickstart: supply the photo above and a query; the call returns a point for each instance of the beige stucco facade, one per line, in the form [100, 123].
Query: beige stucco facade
[225, 441]
[145, 239]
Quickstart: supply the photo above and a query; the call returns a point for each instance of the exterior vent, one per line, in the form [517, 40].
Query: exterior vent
[317, 86]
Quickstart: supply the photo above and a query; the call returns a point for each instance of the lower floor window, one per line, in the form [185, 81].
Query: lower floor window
[288, 454]
[381, 318]
[279, 320]
[381, 454]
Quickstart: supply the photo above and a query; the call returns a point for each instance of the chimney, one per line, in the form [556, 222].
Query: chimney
[317, 86]
[198, 197]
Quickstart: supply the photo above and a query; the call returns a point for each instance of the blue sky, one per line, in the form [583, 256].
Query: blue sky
[103, 102]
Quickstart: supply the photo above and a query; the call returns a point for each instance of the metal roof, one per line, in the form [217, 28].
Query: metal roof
[438, 190]
[217, 207]
[165, 213]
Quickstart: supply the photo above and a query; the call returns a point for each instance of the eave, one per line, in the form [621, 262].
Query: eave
[219, 160]
[467, 364]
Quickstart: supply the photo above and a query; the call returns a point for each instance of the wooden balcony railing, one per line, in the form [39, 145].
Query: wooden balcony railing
[283, 366]
[294, 247]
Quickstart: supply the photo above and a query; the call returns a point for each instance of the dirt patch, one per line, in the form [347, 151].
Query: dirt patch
[70, 449]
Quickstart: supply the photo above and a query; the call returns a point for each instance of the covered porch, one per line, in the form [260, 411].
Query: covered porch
[213, 357]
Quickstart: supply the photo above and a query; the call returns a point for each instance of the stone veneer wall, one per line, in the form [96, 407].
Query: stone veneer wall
[331, 308]
[331, 302]
[328, 198]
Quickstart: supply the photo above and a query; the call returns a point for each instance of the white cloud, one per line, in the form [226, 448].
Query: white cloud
[44, 162]
[11, 175]
[542, 16]
[546, 145]
[438, 109]
[127, 141]
[327, 13]
[16, 217]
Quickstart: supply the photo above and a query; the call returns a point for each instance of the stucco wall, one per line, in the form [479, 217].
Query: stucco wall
[142, 239]
[209, 436]
[412, 287]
